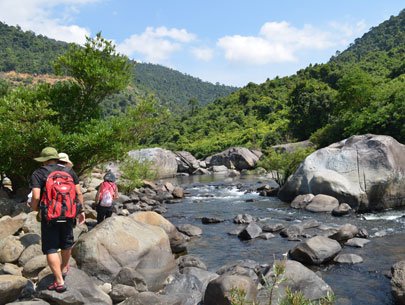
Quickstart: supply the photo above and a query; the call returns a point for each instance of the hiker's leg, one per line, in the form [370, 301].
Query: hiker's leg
[108, 213]
[54, 263]
[65, 254]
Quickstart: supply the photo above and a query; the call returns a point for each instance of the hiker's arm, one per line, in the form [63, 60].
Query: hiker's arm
[116, 193]
[36, 193]
[81, 216]
[96, 199]
[79, 193]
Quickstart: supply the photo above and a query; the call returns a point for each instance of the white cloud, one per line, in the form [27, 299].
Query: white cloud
[204, 53]
[156, 44]
[254, 50]
[348, 31]
[39, 16]
[279, 42]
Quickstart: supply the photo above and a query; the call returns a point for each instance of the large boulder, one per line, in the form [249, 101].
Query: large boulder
[398, 282]
[11, 287]
[297, 278]
[316, 250]
[176, 239]
[235, 157]
[123, 242]
[219, 290]
[366, 171]
[81, 290]
[162, 161]
[186, 162]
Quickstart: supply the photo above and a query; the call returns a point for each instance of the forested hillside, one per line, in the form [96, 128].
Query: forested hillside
[26, 52]
[361, 90]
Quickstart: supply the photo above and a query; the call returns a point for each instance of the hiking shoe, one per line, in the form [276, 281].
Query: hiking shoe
[57, 287]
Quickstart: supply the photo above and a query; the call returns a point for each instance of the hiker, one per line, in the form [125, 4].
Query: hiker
[107, 192]
[57, 197]
[64, 160]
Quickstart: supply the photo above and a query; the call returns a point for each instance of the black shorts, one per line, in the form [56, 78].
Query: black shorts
[56, 235]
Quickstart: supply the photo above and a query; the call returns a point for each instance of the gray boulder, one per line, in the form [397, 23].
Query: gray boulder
[297, 278]
[162, 161]
[218, 290]
[366, 171]
[11, 287]
[186, 162]
[348, 258]
[124, 242]
[322, 203]
[9, 226]
[81, 290]
[235, 157]
[398, 282]
[315, 251]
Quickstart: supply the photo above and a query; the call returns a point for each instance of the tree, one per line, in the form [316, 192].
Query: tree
[97, 70]
[193, 104]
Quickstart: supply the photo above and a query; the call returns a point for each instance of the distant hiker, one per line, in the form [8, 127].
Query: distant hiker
[7, 186]
[64, 160]
[56, 194]
[106, 194]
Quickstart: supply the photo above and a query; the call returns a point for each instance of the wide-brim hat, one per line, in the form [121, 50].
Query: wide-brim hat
[48, 153]
[64, 157]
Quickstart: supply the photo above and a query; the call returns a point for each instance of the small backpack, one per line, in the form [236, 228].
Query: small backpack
[106, 193]
[59, 197]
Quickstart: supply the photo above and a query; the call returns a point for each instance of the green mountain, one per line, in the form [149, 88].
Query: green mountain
[360, 90]
[26, 52]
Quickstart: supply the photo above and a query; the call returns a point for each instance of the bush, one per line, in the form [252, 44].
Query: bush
[133, 174]
[283, 163]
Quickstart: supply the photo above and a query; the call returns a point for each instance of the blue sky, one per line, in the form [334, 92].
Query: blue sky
[229, 42]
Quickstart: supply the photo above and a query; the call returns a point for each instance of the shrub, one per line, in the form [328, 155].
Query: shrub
[133, 174]
[283, 163]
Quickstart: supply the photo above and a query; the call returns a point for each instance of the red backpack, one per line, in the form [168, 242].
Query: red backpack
[59, 196]
[106, 193]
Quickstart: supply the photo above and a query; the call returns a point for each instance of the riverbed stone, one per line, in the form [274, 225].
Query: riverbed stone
[301, 201]
[398, 282]
[345, 232]
[322, 203]
[189, 230]
[348, 258]
[251, 231]
[357, 242]
[239, 158]
[10, 249]
[316, 250]
[342, 209]
[297, 278]
[218, 290]
[11, 287]
[365, 171]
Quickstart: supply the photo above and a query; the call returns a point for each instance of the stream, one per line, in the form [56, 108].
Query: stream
[223, 197]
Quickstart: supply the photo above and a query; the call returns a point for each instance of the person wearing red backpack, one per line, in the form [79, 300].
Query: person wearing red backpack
[57, 196]
[106, 194]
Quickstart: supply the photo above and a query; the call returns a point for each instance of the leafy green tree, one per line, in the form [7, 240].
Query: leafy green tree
[311, 103]
[98, 70]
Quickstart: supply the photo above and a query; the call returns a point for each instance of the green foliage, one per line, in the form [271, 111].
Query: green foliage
[26, 52]
[134, 173]
[98, 70]
[283, 163]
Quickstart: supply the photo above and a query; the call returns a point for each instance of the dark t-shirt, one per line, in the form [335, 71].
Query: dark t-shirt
[38, 178]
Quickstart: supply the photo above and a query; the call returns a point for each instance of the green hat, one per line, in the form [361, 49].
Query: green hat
[47, 153]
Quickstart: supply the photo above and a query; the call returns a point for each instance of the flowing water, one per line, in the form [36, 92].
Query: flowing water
[210, 196]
